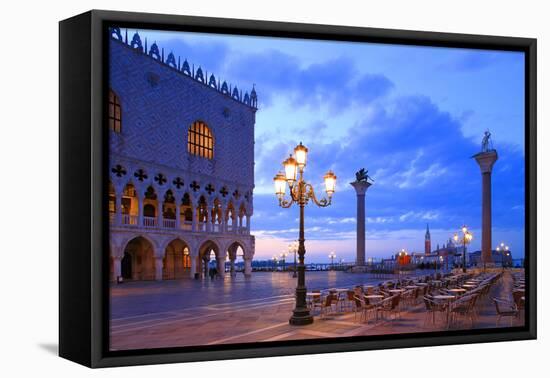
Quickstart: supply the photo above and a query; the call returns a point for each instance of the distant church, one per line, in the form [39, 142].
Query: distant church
[181, 163]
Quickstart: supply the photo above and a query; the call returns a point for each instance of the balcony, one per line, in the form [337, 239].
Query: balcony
[131, 221]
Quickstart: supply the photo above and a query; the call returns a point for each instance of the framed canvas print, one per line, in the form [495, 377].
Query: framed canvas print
[233, 188]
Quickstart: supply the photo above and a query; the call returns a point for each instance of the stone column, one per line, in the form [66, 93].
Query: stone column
[158, 268]
[178, 209]
[117, 267]
[118, 208]
[193, 265]
[160, 217]
[221, 266]
[247, 266]
[141, 198]
[486, 160]
[360, 189]
[195, 218]
[232, 269]
[247, 223]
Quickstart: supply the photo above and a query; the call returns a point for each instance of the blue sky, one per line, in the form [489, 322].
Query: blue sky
[413, 116]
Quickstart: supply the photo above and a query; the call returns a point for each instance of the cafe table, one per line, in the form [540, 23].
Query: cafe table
[374, 297]
[457, 290]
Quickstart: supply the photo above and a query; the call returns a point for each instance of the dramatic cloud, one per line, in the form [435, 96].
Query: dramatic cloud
[334, 84]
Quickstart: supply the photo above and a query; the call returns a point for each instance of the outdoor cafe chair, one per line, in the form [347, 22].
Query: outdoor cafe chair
[433, 307]
[326, 305]
[463, 307]
[390, 306]
[505, 308]
[362, 305]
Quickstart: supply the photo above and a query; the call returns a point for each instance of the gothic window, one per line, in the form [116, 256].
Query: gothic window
[200, 141]
[115, 114]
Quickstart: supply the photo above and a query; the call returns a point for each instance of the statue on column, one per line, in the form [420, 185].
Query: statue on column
[486, 144]
[363, 175]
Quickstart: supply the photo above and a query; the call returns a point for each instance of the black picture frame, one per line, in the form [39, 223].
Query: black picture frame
[83, 228]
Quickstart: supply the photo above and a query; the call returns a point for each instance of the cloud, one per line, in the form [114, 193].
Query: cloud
[333, 85]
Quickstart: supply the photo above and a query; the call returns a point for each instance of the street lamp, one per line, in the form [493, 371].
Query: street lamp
[274, 258]
[503, 249]
[331, 256]
[300, 193]
[465, 239]
[283, 257]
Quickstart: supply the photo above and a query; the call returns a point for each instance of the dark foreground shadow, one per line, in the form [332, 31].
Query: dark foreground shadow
[52, 348]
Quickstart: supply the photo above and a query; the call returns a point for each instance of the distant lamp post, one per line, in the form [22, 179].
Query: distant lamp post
[465, 239]
[440, 262]
[274, 259]
[504, 251]
[300, 193]
[283, 258]
[332, 256]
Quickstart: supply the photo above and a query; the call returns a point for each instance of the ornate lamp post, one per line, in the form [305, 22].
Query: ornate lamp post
[466, 238]
[331, 256]
[300, 193]
[293, 248]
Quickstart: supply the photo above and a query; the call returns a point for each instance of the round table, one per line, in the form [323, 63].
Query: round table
[443, 297]
[457, 290]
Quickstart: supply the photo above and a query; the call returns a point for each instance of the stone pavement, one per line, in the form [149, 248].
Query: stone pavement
[225, 312]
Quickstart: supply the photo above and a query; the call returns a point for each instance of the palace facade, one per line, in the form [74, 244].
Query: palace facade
[181, 166]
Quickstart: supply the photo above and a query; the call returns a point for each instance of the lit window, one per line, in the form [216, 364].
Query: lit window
[115, 116]
[200, 141]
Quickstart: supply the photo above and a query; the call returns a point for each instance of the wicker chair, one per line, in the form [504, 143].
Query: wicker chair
[463, 307]
[505, 308]
[326, 305]
[390, 306]
[432, 308]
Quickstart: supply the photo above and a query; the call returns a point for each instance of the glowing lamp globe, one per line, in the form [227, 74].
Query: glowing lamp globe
[280, 184]
[330, 183]
[301, 155]
[290, 169]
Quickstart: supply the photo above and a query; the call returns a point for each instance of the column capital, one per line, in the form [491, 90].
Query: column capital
[486, 160]
[360, 187]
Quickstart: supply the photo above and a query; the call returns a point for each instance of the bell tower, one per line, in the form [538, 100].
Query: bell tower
[427, 241]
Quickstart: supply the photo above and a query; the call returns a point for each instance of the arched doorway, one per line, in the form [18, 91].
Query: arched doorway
[138, 262]
[208, 251]
[177, 261]
[235, 254]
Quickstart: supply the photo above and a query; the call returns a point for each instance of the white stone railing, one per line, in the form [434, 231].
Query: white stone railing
[131, 220]
[169, 223]
[150, 222]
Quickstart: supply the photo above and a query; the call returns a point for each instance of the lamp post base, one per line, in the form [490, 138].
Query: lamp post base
[300, 317]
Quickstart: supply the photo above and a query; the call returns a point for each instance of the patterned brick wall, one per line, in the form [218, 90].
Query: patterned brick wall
[159, 104]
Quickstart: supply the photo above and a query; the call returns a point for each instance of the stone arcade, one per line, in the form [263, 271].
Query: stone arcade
[181, 166]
